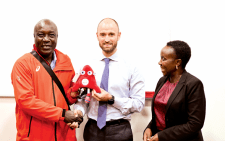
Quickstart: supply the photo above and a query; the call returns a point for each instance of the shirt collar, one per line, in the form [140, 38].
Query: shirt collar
[54, 60]
[54, 56]
[114, 57]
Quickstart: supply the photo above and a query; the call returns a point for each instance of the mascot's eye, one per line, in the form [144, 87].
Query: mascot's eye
[82, 73]
[89, 72]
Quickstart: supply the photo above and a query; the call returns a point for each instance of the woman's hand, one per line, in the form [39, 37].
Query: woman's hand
[147, 134]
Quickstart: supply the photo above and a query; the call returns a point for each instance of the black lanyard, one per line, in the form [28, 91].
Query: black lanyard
[52, 74]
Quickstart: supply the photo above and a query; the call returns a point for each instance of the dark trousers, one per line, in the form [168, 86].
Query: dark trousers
[117, 130]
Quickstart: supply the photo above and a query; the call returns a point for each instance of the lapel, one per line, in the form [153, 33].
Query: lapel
[161, 83]
[177, 89]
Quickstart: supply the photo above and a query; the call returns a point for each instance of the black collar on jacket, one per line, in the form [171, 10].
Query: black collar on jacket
[162, 81]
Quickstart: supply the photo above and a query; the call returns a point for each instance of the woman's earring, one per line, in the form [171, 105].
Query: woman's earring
[177, 67]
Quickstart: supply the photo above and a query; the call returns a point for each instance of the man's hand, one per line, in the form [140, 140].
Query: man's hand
[155, 138]
[73, 125]
[70, 117]
[104, 96]
[147, 135]
[77, 113]
[74, 94]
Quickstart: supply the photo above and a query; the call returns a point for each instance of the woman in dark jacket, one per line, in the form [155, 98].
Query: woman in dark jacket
[178, 106]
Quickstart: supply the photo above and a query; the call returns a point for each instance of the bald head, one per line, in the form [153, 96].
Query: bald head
[45, 22]
[108, 21]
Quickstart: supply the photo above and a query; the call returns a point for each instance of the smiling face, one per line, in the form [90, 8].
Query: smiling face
[45, 37]
[108, 35]
[168, 61]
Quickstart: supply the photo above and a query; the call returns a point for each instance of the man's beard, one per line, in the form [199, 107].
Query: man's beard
[108, 50]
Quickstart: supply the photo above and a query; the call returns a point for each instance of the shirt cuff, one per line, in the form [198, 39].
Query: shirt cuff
[118, 102]
[79, 108]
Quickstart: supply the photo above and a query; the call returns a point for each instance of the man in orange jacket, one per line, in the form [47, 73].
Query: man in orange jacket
[41, 110]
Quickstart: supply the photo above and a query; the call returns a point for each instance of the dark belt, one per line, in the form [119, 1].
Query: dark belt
[111, 122]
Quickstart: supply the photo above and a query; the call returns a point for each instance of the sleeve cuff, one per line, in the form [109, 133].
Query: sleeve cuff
[63, 114]
[79, 108]
[118, 102]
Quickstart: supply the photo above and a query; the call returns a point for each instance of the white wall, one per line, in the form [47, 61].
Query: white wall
[146, 27]
[7, 119]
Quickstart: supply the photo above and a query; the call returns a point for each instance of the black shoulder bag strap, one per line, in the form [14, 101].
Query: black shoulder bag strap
[52, 74]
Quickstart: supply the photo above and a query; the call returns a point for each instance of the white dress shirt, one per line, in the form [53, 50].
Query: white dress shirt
[125, 83]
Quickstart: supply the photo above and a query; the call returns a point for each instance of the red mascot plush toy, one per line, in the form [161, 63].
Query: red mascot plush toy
[86, 80]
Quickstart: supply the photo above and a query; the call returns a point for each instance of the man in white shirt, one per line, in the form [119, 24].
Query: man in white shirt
[122, 94]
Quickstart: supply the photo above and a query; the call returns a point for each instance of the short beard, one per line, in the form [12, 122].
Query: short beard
[110, 50]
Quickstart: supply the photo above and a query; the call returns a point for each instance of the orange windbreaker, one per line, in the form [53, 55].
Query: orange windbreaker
[39, 101]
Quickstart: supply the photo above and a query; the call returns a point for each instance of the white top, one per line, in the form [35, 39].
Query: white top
[125, 83]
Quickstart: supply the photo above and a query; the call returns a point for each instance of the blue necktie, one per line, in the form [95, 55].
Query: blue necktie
[102, 109]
